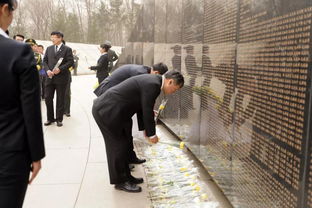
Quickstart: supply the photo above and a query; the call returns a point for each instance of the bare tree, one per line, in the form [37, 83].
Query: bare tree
[79, 13]
[40, 14]
[91, 21]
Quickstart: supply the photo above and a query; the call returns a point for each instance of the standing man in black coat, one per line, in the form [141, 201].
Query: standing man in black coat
[21, 136]
[58, 76]
[119, 75]
[102, 64]
[113, 111]
[126, 71]
[112, 56]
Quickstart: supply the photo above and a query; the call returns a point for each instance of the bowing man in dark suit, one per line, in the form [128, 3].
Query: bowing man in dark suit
[57, 77]
[21, 136]
[113, 112]
[122, 73]
[126, 71]
[102, 64]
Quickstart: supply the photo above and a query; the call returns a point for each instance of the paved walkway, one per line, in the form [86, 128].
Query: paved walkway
[74, 172]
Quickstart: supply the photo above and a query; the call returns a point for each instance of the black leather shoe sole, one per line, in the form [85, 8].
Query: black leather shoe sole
[136, 180]
[59, 124]
[48, 123]
[128, 187]
[137, 161]
[131, 167]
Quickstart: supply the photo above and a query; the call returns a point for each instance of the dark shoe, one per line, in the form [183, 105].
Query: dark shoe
[137, 161]
[67, 114]
[48, 123]
[128, 187]
[59, 123]
[135, 180]
[131, 167]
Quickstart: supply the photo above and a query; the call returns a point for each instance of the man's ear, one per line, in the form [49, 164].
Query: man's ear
[4, 10]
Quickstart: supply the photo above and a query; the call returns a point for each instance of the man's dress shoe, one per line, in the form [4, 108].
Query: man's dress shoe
[128, 187]
[59, 123]
[48, 123]
[135, 180]
[137, 161]
[131, 167]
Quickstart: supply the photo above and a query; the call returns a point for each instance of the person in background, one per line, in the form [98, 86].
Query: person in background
[76, 59]
[19, 37]
[21, 134]
[112, 56]
[102, 65]
[119, 75]
[58, 77]
[37, 55]
[42, 72]
[68, 90]
[113, 111]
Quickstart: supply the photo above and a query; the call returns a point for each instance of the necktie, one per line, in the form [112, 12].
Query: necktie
[55, 49]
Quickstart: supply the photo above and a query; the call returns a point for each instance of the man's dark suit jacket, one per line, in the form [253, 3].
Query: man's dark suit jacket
[50, 60]
[122, 73]
[134, 95]
[20, 114]
[101, 67]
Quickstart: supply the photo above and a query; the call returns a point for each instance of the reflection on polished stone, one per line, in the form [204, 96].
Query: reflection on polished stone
[148, 20]
[160, 21]
[174, 21]
[244, 109]
[148, 52]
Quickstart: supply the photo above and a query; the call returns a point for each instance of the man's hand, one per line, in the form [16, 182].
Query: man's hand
[35, 167]
[56, 71]
[154, 139]
[50, 73]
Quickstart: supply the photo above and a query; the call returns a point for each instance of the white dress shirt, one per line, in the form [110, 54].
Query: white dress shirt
[3, 33]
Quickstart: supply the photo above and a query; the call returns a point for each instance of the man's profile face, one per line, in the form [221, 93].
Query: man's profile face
[40, 50]
[170, 87]
[56, 40]
[6, 17]
[34, 48]
[19, 38]
[154, 71]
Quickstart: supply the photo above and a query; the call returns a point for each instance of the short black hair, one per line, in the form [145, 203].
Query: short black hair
[41, 46]
[10, 3]
[105, 46]
[18, 35]
[160, 67]
[58, 34]
[176, 76]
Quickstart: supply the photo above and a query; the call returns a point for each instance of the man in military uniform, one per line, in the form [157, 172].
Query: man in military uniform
[37, 55]
[42, 72]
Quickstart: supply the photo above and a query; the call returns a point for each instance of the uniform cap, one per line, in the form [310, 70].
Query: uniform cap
[31, 41]
[107, 42]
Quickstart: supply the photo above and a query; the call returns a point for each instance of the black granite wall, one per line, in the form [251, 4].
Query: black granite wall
[245, 108]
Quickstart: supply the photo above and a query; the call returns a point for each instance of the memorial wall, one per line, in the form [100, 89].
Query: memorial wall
[245, 109]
